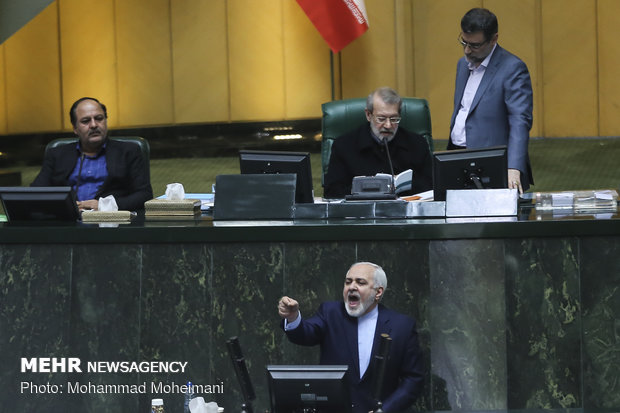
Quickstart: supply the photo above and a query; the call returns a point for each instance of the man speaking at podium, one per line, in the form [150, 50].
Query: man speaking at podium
[362, 152]
[349, 333]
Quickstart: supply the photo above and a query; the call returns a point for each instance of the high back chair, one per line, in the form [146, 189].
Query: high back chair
[141, 142]
[342, 116]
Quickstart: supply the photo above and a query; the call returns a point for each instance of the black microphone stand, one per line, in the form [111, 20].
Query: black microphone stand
[387, 150]
[234, 350]
[379, 370]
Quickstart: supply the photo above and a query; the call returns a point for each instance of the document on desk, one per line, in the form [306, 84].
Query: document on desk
[401, 182]
[596, 199]
[562, 200]
[577, 200]
[421, 197]
[206, 200]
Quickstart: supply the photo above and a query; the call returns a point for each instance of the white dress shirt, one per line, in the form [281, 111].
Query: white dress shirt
[458, 134]
[366, 326]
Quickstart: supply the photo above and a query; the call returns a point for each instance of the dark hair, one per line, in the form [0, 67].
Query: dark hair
[479, 20]
[72, 114]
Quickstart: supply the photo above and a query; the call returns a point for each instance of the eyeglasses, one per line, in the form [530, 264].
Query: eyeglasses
[383, 119]
[472, 46]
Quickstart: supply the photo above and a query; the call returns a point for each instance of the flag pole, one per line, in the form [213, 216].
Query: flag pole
[331, 72]
[335, 64]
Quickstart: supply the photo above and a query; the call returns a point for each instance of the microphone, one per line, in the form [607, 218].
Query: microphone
[79, 178]
[387, 150]
[234, 350]
[379, 369]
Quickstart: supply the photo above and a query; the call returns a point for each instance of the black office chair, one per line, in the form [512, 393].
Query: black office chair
[342, 116]
[141, 142]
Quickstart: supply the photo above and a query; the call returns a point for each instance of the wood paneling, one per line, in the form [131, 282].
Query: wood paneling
[608, 63]
[88, 55]
[569, 72]
[200, 61]
[404, 38]
[33, 75]
[3, 106]
[369, 61]
[307, 68]
[144, 62]
[437, 25]
[192, 61]
[256, 60]
[519, 33]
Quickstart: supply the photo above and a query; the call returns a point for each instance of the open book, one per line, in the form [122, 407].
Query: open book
[402, 181]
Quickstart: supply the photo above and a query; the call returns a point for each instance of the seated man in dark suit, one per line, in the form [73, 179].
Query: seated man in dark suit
[362, 152]
[96, 166]
[349, 333]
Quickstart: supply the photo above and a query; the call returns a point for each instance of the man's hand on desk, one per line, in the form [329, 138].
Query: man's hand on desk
[288, 309]
[89, 204]
[514, 180]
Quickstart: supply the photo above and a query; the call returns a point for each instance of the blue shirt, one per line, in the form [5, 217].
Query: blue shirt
[89, 174]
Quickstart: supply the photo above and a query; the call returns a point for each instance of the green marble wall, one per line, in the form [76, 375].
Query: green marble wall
[544, 323]
[35, 317]
[505, 324]
[468, 324]
[600, 292]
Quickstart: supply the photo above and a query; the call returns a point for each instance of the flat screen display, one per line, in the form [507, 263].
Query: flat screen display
[56, 203]
[469, 169]
[281, 162]
[293, 388]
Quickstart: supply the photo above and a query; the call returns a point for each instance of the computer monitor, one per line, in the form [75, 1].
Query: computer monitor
[281, 162]
[44, 203]
[293, 388]
[469, 169]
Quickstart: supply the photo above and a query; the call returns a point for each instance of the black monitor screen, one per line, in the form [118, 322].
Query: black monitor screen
[469, 169]
[295, 388]
[57, 203]
[281, 162]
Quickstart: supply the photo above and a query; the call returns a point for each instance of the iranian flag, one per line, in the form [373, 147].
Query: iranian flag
[339, 21]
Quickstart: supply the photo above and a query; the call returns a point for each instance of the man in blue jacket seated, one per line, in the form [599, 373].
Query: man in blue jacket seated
[96, 166]
[349, 334]
[362, 152]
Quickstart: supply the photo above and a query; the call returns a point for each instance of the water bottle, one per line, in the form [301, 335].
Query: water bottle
[189, 395]
[157, 406]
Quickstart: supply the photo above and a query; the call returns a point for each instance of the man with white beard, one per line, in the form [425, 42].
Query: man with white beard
[349, 333]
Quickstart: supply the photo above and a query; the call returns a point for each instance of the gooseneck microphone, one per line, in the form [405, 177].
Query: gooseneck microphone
[379, 369]
[387, 150]
[243, 376]
[79, 178]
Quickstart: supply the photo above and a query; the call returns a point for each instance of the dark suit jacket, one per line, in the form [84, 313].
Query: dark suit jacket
[127, 178]
[336, 332]
[357, 153]
[501, 112]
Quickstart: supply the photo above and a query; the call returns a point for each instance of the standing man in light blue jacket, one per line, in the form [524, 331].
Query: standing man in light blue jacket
[492, 97]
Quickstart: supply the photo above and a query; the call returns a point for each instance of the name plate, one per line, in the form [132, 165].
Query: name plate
[481, 202]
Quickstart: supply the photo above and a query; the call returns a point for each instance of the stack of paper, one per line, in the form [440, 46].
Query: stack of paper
[580, 201]
[562, 200]
[598, 199]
